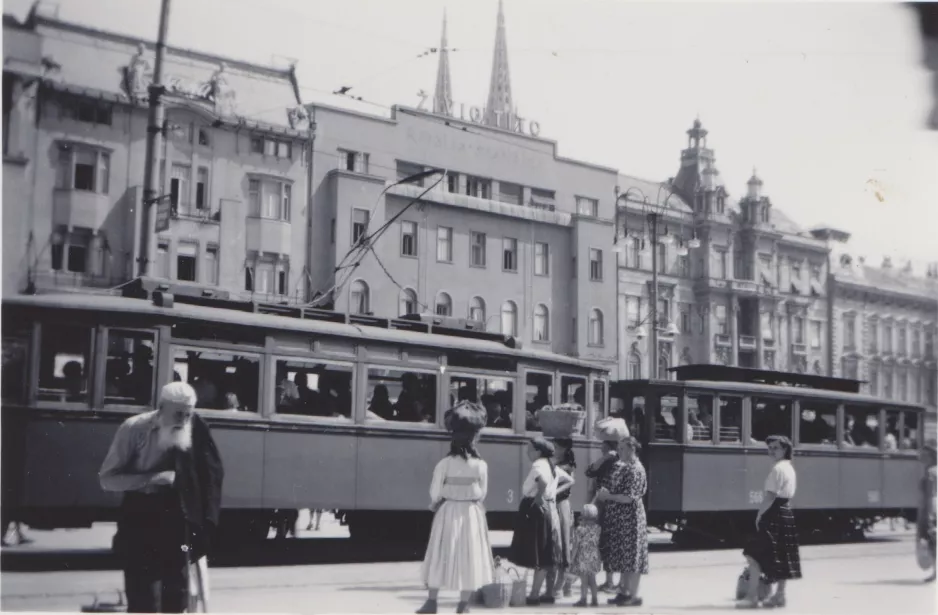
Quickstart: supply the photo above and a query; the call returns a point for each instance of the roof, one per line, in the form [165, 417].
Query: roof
[181, 311]
[96, 59]
[890, 280]
[661, 194]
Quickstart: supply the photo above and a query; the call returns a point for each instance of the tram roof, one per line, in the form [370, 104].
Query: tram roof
[117, 304]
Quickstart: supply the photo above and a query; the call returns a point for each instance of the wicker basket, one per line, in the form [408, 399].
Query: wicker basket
[564, 421]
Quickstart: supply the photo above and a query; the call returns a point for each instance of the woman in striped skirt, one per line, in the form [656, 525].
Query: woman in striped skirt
[774, 550]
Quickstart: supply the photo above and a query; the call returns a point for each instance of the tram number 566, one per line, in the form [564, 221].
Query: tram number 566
[511, 496]
[755, 497]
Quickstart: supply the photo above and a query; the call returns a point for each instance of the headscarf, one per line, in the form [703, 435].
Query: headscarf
[547, 450]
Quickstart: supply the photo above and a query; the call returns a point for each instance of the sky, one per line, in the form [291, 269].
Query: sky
[827, 101]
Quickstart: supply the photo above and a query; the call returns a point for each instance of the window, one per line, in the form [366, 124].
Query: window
[887, 337]
[916, 343]
[901, 344]
[887, 383]
[476, 249]
[766, 319]
[798, 327]
[635, 366]
[86, 110]
[851, 369]
[495, 394]
[816, 333]
[211, 265]
[929, 344]
[587, 207]
[222, 380]
[359, 224]
[596, 328]
[543, 199]
[408, 302]
[510, 193]
[201, 189]
[204, 137]
[128, 374]
[902, 384]
[179, 186]
[269, 199]
[541, 323]
[478, 187]
[664, 363]
[83, 168]
[632, 310]
[541, 258]
[908, 439]
[721, 320]
[271, 147]
[444, 305]
[664, 310]
[510, 319]
[599, 398]
[64, 362]
[15, 344]
[405, 170]
[400, 396]
[818, 422]
[874, 380]
[509, 254]
[539, 392]
[634, 253]
[573, 391]
[770, 416]
[815, 272]
[699, 418]
[260, 278]
[186, 261]
[596, 265]
[477, 309]
[356, 162]
[444, 244]
[874, 335]
[162, 259]
[359, 301]
[306, 388]
[861, 427]
[685, 318]
[683, 265]
[452, 182]
[662, 258]
[721, 264]
[77, 252]
[408, 238]
[730, 428]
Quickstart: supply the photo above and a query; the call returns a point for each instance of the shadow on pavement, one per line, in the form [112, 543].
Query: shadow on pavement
[902, 582]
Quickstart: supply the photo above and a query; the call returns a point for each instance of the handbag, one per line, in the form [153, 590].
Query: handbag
[923, 554]
[742, 585]
[503, 590]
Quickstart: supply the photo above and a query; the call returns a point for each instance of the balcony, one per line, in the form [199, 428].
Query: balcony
[768, 343]
[721, 339]
[747, 342]
[268, 235]
[79, 208]
[799, 349]
[191, 212]
[538, 210]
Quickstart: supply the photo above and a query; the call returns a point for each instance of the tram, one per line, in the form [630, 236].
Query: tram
[310, 408]
[703, 436]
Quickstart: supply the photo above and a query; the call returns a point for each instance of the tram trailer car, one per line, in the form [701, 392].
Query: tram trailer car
[76, 366]
[856, 456]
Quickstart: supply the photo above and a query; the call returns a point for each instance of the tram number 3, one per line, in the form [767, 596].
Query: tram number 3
[755, 497]
[511, 496]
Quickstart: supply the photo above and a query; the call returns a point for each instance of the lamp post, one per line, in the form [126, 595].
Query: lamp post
[652, 213]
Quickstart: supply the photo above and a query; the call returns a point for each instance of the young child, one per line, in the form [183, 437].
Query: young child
[585, 557]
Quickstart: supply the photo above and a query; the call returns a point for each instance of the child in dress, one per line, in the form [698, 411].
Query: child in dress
[585, 561]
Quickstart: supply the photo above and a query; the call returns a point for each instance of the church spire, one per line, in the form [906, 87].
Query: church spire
[443, 95]
[499, 108]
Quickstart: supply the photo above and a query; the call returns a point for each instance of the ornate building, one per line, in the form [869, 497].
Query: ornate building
[741, 283]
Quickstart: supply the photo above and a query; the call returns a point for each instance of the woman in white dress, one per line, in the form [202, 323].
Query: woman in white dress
[459, 554]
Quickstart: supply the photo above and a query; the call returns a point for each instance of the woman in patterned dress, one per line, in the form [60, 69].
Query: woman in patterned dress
[566, 461]
[774, 551]
[926, 519]
[624, 537]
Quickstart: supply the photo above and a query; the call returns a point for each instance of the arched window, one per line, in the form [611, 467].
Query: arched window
[510, 318]
[635, 366]
[477, 309]
[596, 328]
[359, 302]
[408, 302]
[541, 323]
[664, 362]
[444, 305]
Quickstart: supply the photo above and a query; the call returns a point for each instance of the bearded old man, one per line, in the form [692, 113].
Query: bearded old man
[168, 467]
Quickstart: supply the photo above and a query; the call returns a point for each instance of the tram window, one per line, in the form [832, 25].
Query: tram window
[306, 388]
[64, 358]
[15, 353]
[891, 441]
[909, 440]
[496, 394]
[475, 360]
[666, 419]
[731, 419]
[817, 423]
[128, 373]
[573, 391]
[861, 426]
[770, 417]
[699, 418]
[401, 396]
[539, 392]
[599, 399]
[222, 380]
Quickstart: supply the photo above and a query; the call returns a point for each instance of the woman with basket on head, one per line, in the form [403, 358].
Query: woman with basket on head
[537, 542]
[459, 554]
[774, 551]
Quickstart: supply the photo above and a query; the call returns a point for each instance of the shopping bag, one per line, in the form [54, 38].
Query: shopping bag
[923, 554]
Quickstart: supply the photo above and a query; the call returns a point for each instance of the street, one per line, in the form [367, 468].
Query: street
[875, 576]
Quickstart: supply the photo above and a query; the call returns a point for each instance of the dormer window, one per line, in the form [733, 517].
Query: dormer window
[721, 204]
[765, 214]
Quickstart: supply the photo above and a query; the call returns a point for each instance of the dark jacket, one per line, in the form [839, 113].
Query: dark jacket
[199, 476]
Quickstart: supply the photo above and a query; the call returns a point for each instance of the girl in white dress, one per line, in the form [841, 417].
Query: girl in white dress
[459, 554]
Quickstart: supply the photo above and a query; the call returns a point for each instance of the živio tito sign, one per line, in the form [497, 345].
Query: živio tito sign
[476, 115]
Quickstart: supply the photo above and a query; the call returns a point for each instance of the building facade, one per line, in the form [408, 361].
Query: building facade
[741, 283]
[232, 165]
[883, 326]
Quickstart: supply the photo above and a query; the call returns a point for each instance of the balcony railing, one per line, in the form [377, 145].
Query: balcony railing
[721, 339]
[73, 279]
[191, 212]
[799, 348]
[747, 342]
